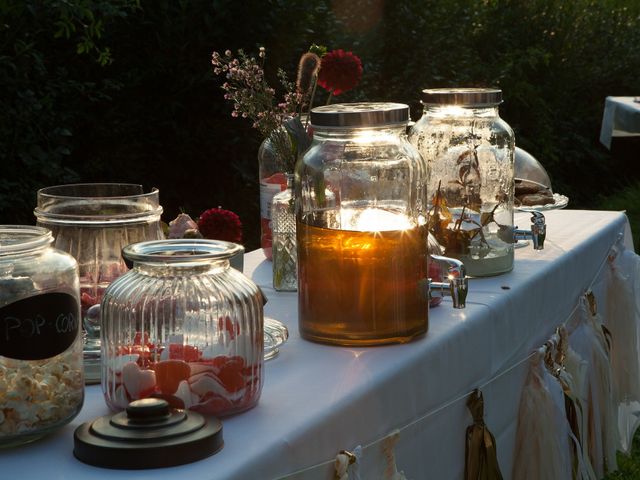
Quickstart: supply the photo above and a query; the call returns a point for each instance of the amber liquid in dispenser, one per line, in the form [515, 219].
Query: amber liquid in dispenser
[361, 288]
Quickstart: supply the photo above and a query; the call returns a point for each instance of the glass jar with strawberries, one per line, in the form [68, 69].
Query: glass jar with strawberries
[183, 326]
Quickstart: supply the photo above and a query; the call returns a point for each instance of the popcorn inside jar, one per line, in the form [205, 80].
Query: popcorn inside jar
[37, 395]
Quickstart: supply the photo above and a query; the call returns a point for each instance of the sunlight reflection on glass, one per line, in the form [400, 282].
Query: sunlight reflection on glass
[374, 220]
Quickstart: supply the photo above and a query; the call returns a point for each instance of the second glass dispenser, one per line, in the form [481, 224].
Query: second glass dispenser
[470, 152]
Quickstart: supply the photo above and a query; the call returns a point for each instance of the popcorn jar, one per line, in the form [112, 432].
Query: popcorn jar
[183, 326]
[41, 376]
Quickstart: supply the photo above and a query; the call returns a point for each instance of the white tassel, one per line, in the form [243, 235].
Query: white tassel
[622, 319]
[577, 368]
[344, 460]
[542, 439]
[342, 465]
[588, 340]
[574, 402]
[388, 449]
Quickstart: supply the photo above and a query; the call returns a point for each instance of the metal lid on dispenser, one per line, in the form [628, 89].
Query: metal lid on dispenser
[148, 434]
[464, 97]
[360, 115]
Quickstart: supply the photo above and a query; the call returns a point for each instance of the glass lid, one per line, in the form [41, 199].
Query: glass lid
[529, 170]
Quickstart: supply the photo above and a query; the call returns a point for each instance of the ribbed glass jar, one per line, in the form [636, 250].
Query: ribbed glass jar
[93, 222]
[361, 226]
[184, 326]
[470, 153]
[41, 382]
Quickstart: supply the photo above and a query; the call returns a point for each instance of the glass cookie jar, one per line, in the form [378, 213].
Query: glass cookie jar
[41, 378]
[361, 224]
[184, 326]
[92, 222]
[470, 152]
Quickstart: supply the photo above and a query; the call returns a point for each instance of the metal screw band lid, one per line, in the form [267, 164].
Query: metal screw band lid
[467, 97]
[360, 115]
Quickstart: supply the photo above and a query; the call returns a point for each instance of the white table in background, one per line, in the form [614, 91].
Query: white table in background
[621, 118]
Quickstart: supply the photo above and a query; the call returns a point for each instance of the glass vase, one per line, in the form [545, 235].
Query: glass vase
[278, 154]
[272, 182]
[283, 224]
[93, 222]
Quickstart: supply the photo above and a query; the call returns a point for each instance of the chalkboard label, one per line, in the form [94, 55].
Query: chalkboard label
[39, 327]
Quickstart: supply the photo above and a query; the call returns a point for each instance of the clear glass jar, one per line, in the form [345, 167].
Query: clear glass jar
[283, 223]
[276, 158]
[273, 180]
[470, 152]
[361, 214]
[93, 222]
[184, 326]
[41, 382]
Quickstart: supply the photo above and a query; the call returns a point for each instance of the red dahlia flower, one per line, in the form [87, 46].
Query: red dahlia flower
[340, 71]
[220, 224]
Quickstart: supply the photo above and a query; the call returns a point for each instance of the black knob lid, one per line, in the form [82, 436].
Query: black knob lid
[149, 434]
[148, 409]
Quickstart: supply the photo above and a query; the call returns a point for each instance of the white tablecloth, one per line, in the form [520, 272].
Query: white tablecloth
[320, 399]
[621, 118]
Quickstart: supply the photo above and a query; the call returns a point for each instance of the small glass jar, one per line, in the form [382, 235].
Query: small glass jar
[283, 223]
[41, 380]
[361, 223]
[93, 222]
[470, 152]
[184, 326]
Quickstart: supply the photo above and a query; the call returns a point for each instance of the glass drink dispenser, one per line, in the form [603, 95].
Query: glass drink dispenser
[361, 221]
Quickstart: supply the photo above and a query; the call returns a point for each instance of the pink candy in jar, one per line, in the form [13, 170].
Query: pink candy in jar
[183, 326]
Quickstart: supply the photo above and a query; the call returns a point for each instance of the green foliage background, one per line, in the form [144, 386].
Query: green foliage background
[122, 90]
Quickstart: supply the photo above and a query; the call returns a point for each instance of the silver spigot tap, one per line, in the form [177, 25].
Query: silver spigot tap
[458, 284]
[537, 234]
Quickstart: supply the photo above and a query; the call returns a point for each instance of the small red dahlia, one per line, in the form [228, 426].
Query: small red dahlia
[340, 71]
[220, 224]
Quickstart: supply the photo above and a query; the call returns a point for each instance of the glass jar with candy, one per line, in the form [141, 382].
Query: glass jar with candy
[184, 326]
